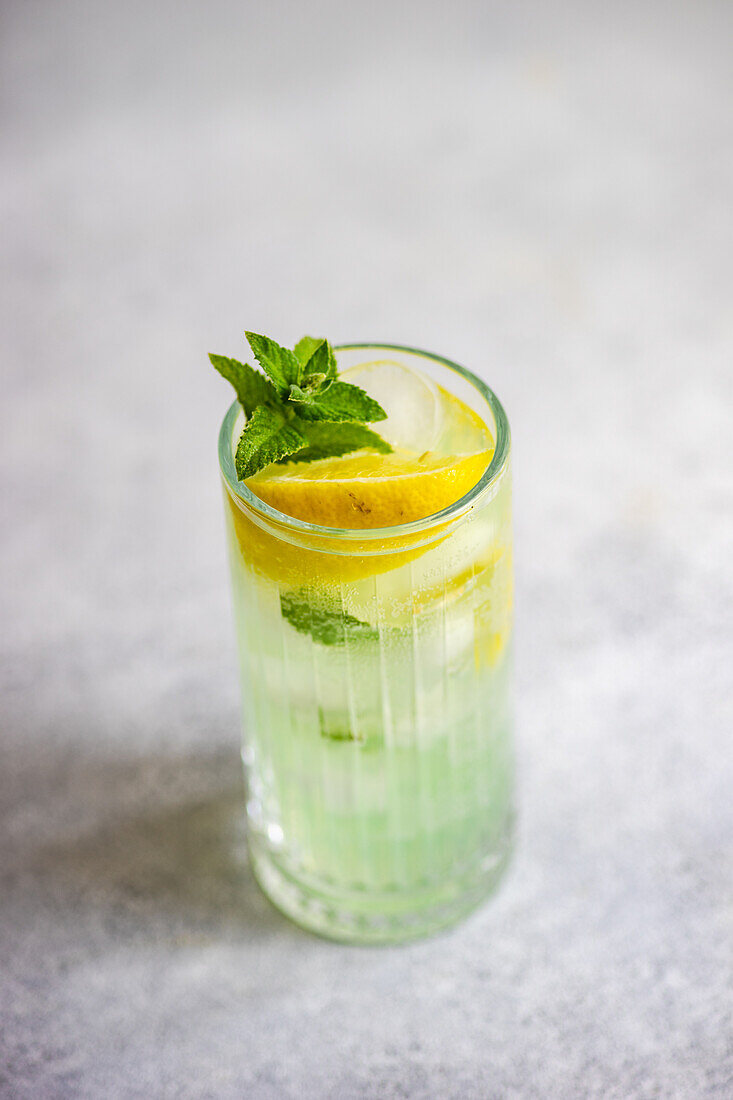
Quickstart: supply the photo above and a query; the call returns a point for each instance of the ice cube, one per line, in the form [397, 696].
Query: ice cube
[410, 399]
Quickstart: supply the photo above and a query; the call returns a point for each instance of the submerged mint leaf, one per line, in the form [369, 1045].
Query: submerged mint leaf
[335, 730]
[282, 365]
[327, 440]
[328, 626]
[340, 403]
[267, 437]
[252, 388]
[336, 725]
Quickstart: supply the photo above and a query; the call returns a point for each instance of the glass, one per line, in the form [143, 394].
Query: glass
[376, 689]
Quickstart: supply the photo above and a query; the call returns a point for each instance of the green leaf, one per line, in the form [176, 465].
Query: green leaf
[327, 626]
[280, 363]
[327, 440]
[312, 384]
[252, 388]
[335, 727]
[266, 438]
[322, 361]
[340, 403]
[319, 368]
[306, 346]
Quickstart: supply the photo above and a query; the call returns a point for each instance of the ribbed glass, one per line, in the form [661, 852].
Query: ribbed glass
[376, 689]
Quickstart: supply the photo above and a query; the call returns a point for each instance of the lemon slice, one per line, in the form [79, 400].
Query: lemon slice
[366, 490]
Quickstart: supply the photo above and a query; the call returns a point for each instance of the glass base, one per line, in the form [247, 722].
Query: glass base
[369, 917]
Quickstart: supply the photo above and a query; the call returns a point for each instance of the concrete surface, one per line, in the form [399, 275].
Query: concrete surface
[542, 191]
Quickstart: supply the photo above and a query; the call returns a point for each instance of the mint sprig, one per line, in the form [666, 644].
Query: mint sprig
[298, 410]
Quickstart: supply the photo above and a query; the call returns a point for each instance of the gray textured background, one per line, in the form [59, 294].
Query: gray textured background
[542, 191]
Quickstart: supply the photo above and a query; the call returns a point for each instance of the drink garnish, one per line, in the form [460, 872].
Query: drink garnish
[298, 410]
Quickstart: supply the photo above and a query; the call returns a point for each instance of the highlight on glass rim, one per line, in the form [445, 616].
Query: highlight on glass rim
[368, 502]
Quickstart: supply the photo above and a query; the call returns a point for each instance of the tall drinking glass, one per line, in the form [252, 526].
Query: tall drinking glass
[376, 693]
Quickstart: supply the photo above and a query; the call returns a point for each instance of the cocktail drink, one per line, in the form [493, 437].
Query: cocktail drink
[373, 608]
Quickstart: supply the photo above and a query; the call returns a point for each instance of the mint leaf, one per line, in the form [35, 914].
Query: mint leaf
[327, 440]
[252, 388]
[280, 363]
[341, 402]
[319, 369]
[313, 384]
[322, 361]
[266, 438]
[335, 727]
[327, 626]
[306, 346]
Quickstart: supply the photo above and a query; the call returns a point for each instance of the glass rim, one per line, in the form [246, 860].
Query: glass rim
[458, 508]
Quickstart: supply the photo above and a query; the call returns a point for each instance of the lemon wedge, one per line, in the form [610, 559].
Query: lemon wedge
[365, 490]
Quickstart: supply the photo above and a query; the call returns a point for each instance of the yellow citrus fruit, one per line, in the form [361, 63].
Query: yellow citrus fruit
[315, 560]
[367, 490]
